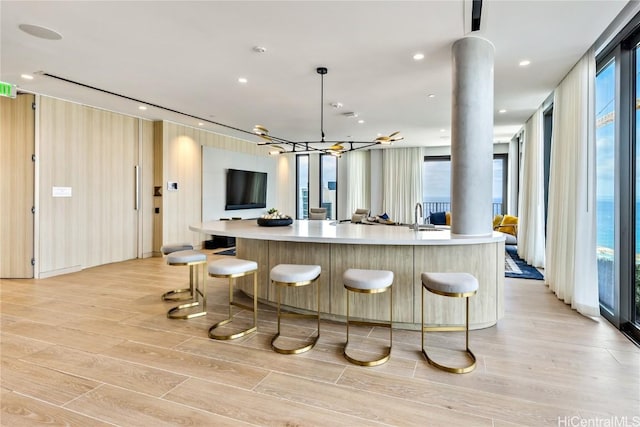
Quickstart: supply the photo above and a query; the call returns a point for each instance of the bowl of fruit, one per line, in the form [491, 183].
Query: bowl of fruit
[273, 218]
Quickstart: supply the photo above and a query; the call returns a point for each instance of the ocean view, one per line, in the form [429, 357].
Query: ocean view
[605, 235]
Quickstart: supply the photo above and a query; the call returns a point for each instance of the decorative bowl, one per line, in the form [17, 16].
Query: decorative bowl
[275, 222]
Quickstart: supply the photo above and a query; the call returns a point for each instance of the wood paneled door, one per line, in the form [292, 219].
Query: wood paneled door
[17, 144]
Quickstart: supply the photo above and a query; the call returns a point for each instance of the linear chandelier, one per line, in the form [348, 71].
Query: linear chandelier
[336, 148]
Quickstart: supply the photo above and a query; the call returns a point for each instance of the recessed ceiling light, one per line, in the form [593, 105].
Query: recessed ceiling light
[259, 49]
[200, 124]
[442, 130]
[418, 56]
[142, 107]
[336, 104]
[242, 80]
[524, 63]
[26, 76]
[431, 95]
[361, 121]
[502, 111]
[40, 32]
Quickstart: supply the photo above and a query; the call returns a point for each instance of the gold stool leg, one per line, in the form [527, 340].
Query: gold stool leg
[199, 297]
[295, 315]
[175, 294]
[232, 303]
[454, 370]
[387, 354]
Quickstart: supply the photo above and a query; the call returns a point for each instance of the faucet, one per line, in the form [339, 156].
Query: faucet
[418, 207]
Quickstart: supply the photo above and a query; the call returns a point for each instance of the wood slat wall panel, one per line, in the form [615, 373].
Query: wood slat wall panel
[147, 199]
[17, 139]
[93, 152]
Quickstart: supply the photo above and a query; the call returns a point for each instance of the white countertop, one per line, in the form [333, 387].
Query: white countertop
[345, 233]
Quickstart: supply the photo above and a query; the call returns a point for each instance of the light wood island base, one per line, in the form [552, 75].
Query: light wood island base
[484, 260]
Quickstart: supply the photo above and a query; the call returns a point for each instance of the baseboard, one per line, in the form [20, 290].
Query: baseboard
[53, 273]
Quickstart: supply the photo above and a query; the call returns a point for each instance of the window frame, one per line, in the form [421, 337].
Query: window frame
[305, 215]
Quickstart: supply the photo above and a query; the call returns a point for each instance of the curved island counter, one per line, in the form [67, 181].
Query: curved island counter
[339, 246]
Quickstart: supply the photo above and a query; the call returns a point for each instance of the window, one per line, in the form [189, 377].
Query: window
[302, 186]
[329, 184]
[605, 187]
[436, 184]
[617, 192]
[636, 204]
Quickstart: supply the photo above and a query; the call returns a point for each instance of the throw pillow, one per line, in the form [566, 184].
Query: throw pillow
[447, 218]
[497, 220]
[438, 218]
[509, 225]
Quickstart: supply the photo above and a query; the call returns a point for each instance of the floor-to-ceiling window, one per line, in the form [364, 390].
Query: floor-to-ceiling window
[302, 186]
[617, 167]
[499, 184]
[436, 184]
[605, 182]
[636, 202]
[329, 184]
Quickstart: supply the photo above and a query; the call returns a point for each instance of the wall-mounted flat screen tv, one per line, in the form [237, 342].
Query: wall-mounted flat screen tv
[246, 190]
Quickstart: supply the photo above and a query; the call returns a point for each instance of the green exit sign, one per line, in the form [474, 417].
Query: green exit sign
[7, 89]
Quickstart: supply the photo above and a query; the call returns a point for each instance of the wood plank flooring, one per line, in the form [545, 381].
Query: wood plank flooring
[95, 348]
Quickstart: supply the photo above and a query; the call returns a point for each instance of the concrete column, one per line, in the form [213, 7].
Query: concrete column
[472, 137]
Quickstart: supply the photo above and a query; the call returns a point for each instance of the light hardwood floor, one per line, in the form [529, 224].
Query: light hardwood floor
[95, 348]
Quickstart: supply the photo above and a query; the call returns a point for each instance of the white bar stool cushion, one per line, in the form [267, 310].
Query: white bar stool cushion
[175, 247]
[452, 283]
[291, 273]
[367, 279]
[184, 257]
[223, 267]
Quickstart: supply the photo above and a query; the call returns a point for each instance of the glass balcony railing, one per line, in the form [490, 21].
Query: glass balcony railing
[428, 207]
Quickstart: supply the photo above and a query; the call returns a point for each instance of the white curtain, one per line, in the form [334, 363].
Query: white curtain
[571, 271]
[358, 182]
[402, 182]
[531, 213]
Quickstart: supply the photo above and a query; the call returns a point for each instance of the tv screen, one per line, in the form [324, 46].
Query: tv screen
[246, 190]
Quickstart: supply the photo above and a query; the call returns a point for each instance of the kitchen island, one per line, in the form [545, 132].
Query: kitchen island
[339, 246]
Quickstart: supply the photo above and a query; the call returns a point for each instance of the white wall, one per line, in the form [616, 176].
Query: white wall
[215, 163]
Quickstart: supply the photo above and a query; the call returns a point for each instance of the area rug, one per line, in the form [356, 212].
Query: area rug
[516, 267]
[231, 252]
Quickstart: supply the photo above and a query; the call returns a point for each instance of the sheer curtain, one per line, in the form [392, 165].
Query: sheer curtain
[402, 182]
[358, 182]
[531, 213]
[571, 271]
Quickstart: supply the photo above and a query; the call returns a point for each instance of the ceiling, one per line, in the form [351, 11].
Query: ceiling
[188, 56]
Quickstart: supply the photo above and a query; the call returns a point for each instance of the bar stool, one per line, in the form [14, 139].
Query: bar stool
[232, 269]
[196, 261]
[173, 295]
[369, 282]
[456, 285]
[295, 275]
